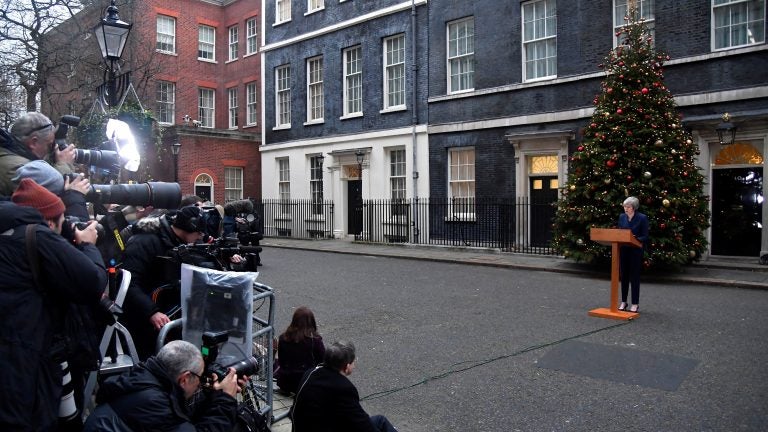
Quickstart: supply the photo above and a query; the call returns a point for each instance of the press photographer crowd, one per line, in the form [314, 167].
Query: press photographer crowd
[65, 238]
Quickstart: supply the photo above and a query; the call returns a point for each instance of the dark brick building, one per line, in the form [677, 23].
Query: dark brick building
[532, 73]
[501, 91]
[344, 111]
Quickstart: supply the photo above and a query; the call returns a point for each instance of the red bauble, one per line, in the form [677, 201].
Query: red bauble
[580, 148]
[644, 90]
[662, 225]
[619, 111]
[610, 163]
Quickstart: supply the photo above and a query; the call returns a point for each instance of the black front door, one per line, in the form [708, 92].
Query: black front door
[737, 211]
[542, 209]
[355, 206]
[203, 192]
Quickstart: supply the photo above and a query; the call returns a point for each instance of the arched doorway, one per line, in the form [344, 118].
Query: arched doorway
[204, 187]
[737, 201]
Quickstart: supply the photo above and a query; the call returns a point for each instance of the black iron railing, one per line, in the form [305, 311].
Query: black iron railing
[297, 218]
[506, 224]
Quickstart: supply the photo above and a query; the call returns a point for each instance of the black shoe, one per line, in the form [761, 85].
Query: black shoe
[634, 308]
[623, 306]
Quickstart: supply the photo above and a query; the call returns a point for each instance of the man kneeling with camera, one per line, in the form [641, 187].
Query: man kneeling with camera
[166, 393]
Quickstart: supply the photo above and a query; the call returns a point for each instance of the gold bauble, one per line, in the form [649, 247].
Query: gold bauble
[572, 187]
[665, 202]
[659, 143]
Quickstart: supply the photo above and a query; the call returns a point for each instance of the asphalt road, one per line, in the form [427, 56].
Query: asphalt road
[450, 347]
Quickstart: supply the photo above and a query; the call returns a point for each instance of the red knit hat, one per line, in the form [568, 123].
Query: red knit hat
[31, 194]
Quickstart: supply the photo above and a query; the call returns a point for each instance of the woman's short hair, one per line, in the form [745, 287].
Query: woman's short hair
[179, 356]
[339, 354]
[632, 201]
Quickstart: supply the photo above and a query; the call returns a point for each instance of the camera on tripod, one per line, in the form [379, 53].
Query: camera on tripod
[212, 341]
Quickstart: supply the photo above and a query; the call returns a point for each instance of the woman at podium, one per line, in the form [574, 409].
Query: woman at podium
[631, 258]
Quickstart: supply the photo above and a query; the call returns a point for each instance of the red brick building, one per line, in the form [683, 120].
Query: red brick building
[195, 65]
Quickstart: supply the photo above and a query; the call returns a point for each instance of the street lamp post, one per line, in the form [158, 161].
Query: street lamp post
[112, 33]
[175, 148]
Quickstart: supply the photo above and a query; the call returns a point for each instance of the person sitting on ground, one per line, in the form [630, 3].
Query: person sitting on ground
[156, 395]
[299, 349]
[327, 401]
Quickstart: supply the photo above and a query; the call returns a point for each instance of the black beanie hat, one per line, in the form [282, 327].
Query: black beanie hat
[189, 219]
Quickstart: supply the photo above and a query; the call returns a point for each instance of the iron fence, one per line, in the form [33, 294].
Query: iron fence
[296, 218]
[511, 225]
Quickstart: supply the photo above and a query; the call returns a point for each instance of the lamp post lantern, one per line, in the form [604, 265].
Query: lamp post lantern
[726, 131]
[112, 34]
[175, 148]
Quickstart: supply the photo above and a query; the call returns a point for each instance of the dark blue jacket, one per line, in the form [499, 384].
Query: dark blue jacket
[328, 402]
[638, 225]
[147, 399]
[31, 322]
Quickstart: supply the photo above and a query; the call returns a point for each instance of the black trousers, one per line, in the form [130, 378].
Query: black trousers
[630, 263]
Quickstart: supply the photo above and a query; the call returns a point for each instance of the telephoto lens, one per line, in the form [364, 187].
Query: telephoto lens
[248, 366]
[161, 195]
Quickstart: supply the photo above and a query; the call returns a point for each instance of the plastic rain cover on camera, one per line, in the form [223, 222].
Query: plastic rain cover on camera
[216, 301]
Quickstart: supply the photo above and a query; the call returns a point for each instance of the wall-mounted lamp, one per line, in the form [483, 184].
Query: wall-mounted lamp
[726, 131]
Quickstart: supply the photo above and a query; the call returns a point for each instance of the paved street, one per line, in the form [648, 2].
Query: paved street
[454, 347]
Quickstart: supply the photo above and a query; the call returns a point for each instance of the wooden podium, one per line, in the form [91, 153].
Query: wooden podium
[614, 238]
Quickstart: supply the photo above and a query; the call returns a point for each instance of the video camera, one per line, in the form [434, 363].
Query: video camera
[212, 341]
[216, 255]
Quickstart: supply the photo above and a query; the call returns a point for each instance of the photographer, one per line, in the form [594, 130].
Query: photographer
[33, 349]
[156, 395]
[154, 238]
[31, 137]
[71, 188]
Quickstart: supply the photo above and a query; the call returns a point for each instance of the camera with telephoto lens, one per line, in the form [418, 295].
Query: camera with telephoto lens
[101, 158]
[163, 195]
[212, 341]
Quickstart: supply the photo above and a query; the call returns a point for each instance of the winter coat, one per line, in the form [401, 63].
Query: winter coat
[153, 238]
[327, 401]
[147, 399]
[31, 321]
[295, 358]
[14, 154]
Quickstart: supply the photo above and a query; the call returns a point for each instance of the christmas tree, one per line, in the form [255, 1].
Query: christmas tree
[634, 146]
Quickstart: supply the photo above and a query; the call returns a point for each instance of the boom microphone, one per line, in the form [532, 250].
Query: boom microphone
[234, 208]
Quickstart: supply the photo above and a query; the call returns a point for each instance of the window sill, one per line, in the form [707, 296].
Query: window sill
[231, 60]
[166, 53]
[207, 61]
[281, 127]
[250, 54]
[461, 91]
[351, 116]
[546, 78]
[398, 108]
[280, 23]
[314, 122]
[314, 11]
[248, 126]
